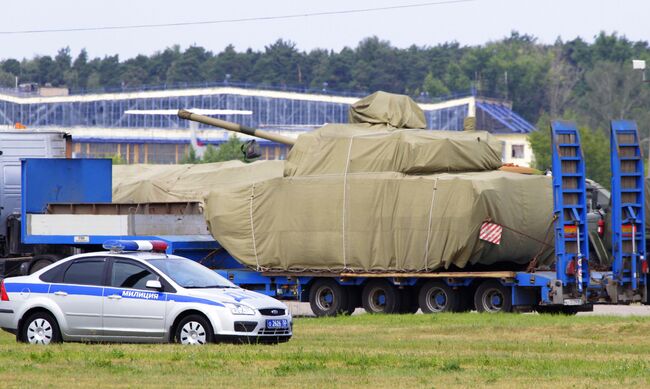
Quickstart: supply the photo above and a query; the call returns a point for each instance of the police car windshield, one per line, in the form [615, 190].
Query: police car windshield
[190, 274]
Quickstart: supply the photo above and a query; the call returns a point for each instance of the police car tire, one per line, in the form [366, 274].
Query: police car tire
[209, 332]
[56, 332]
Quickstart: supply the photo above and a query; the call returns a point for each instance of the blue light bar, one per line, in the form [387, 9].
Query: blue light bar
[135, 245]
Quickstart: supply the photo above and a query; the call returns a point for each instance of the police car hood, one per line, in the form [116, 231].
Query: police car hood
[237, 296]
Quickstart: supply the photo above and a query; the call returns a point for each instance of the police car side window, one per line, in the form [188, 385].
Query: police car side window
[129, 275]
[54, 275]
[85, 272]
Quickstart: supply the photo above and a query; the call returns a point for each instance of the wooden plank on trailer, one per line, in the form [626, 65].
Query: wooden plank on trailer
[477, 274]
[300, 274]
[466, 274]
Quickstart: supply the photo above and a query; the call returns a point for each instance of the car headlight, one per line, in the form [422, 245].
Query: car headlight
[239, 309]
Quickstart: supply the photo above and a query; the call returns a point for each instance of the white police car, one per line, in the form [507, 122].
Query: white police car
[125, 295]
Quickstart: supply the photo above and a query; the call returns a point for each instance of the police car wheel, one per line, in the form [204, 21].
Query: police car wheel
[40, 328]
[194, 330]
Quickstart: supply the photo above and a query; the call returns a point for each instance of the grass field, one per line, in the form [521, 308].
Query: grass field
[441, 351]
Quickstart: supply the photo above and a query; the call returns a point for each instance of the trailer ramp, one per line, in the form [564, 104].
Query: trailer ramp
[570, 210]
[629, 266]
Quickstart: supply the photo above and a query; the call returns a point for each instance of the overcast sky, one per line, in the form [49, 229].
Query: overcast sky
[469, 23]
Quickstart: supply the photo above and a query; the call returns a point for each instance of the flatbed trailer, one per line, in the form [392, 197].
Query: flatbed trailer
[66, 206]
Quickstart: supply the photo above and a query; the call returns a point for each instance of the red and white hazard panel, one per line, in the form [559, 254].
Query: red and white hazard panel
[490, 232]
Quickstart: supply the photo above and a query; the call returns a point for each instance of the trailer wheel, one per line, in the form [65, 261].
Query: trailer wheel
[493, 297]
[380, 296]
[328, 298]
[436, 297]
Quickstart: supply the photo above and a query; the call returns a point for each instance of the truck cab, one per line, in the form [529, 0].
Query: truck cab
[14, 146]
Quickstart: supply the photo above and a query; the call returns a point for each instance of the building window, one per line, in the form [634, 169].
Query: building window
[517, 151]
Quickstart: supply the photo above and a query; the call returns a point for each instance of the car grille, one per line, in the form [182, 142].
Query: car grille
[275, 331]
[245, 326]
[272, 311]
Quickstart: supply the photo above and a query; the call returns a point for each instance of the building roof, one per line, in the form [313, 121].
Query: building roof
[504, 119]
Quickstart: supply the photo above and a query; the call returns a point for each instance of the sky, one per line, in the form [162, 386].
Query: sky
[469, 23]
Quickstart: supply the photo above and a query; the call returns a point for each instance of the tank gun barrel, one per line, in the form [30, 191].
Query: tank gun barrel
[230, 126]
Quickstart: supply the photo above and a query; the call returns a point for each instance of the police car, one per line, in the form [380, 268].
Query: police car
[136, 293]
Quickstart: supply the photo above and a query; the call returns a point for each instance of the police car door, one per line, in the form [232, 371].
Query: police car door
[130, 309]
[79, 296]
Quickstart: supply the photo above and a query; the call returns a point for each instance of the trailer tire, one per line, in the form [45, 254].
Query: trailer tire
[380, 296]
[492, 297]
[436, 297]
[328, 298]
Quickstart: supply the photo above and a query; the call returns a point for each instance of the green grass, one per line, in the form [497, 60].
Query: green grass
[401, 351]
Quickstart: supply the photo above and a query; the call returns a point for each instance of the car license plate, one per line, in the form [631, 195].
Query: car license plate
[573, 302]
[273, 324]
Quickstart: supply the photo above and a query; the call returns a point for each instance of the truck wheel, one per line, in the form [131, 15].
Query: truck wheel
[408, 300]
[41, 261]
[328, 298]
[493, 297]
[436, 296]
[380, 296]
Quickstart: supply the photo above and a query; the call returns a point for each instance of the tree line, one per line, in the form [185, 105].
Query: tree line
[590, 82]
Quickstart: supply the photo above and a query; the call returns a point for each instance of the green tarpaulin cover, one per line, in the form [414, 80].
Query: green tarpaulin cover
[379, 194]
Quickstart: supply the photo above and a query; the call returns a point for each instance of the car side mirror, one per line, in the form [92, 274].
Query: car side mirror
[153, 284]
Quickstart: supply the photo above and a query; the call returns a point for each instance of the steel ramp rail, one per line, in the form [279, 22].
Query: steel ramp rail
[570, 209]
[628, 210]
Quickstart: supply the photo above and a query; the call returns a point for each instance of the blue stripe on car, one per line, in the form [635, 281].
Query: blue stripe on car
[18, 287]
[188, 299]
[102, 291]
[77, 290]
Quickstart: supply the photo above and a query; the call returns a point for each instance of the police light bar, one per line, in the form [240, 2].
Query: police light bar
[135, 245]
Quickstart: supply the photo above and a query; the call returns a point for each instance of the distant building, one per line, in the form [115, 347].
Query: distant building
[141, 126]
